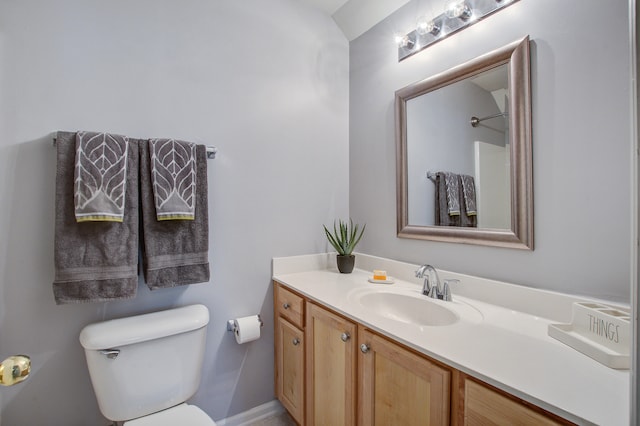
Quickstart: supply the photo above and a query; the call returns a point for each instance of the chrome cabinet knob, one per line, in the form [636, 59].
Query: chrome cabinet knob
[286, 305]
[364, 348]
[345, 336]
[295, 341]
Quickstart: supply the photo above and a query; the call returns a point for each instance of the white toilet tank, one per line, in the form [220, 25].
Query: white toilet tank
[143, 364]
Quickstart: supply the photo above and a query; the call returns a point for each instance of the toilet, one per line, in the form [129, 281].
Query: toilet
[144, 368]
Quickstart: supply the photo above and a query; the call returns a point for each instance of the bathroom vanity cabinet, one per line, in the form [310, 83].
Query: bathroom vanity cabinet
[330, 370]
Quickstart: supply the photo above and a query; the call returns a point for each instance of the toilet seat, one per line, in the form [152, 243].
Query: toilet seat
[180, 415]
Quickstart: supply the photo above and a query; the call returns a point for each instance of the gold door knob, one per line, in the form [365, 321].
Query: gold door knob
[14, 370]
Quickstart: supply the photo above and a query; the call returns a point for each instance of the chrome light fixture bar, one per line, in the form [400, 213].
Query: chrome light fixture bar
[458, 14]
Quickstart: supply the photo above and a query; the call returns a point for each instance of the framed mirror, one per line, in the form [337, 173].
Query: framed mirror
[463, 153]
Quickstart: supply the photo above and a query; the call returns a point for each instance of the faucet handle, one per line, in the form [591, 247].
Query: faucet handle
[452, 281]
[434, 292]
[446, 290]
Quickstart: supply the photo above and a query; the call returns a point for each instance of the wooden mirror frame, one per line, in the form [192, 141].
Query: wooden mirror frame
[520, 236]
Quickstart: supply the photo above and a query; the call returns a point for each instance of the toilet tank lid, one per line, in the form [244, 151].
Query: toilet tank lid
[140, 328]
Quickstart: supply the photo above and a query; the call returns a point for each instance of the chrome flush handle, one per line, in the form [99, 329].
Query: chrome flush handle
[110, 353]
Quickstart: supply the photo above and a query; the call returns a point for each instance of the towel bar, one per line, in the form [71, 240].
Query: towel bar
[475, 121]
[211, 150]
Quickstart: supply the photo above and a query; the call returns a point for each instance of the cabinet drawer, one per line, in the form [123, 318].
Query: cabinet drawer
[290, 306]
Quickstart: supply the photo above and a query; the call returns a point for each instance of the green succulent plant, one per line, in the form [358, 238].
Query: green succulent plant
[345, 236]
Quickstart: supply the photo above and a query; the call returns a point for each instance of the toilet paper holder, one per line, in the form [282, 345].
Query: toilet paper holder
[231, 326]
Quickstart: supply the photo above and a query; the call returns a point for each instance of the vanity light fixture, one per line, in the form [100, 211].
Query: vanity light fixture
[457, 14]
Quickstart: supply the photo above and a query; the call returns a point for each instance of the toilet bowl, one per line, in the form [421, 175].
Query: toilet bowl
[144, 368]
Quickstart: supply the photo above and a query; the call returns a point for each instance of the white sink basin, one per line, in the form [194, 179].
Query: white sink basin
[410, 306]
[409, 309]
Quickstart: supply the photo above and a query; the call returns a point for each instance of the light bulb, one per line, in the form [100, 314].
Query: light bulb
[425, 25]
[406, 42]
[421, 25]
[457, 9]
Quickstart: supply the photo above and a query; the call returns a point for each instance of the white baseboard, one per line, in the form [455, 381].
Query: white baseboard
[248, 417]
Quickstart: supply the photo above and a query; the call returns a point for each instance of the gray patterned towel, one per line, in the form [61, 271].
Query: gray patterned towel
[454, 195]
[174, 252]
[173, 175]
[100, 177]
[452, 186]
[469, 194]
[442, 217]
[94, 261]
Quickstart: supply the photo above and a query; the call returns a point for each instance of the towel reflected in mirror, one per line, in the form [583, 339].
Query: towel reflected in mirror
[455, 200]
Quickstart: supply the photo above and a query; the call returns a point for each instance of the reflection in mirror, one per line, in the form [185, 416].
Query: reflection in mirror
[464, 153]
[474, 144]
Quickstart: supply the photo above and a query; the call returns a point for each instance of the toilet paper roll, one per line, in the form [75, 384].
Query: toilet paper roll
[247, 329]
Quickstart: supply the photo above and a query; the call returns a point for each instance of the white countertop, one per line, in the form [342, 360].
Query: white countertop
[504, 342]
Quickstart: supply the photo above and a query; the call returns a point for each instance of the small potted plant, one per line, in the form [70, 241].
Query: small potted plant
[344, 238]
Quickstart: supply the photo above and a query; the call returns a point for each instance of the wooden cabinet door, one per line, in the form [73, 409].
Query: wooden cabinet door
[398, 387]
[290, 368]
[486, 406]
[331, 368]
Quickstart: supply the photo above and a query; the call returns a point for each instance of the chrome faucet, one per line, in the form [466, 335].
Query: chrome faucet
[431, 285]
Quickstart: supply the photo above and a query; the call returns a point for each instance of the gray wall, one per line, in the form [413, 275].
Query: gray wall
[581, 142]
[267, 82]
